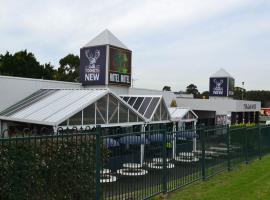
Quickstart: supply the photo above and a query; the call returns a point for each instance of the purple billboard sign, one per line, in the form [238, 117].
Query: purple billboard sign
[93, 65]
[218, 87]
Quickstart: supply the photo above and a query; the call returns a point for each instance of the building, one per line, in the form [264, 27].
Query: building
[105, 97]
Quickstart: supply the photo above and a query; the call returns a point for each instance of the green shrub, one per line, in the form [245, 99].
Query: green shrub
[49, 168]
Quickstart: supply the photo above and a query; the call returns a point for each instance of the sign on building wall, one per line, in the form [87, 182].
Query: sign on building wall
[93, 65]
[218, 87]
[231, 87]
[119, 66]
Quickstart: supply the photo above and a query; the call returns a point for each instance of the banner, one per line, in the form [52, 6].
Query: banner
[218, 87]
[93, 65]
[120, 66]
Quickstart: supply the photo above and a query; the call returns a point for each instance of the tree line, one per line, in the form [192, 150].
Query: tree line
[25, 64]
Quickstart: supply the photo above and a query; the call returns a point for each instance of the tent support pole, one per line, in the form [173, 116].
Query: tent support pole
[142, 145]
[195, 139]
[174, 140]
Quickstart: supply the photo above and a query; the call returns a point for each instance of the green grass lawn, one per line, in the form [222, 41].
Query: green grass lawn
[250, 181]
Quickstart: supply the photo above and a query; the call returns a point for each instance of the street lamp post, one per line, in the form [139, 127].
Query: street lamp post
[243, 83]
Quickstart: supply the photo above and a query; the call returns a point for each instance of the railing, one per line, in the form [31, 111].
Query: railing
[78, 164]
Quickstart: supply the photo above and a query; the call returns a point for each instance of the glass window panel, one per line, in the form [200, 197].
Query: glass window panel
[140, 119]
[113, 109]
[102, 106]
[163, 112]
[157, 114]
[89, 115]
[76, 119]
[126, 99]
[144, 105]
[156, 117]
[123, 113]
[132, 100]
[151, 107]
[132, 116]
[64, 123]
[99, 118]
[138, 103]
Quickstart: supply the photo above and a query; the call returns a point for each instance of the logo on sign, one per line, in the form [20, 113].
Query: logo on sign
[92, 71]
[218, 89]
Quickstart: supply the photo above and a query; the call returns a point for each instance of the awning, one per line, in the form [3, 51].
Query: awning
[54, 106]
[182, 114]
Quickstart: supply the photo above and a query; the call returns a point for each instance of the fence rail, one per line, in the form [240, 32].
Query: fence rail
[80, 165]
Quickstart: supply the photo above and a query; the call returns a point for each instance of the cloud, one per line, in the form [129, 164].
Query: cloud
[176, 41]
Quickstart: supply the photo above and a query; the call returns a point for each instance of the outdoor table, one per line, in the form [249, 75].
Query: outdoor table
[218, 149]
[106, 177]
[105, 171]
[186, 154]
[186, 160]
[209, 153]
[132, 172]
[160, 160]
[186, 157]
[155, 165]
[132, 165]
[132, 169]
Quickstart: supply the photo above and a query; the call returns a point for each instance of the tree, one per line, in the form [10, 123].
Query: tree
[192, 89]
[69, 68]
[49, 72]
[173, 103]
[166, 88]
[22, 64]
[204, 95]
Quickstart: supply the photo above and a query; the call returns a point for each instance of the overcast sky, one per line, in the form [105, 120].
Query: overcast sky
[174, 42]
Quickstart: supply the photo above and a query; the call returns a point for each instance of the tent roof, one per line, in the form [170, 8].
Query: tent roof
[146, 105]
[106, 37]
[178, 113]
[221, 73]
[53, 106]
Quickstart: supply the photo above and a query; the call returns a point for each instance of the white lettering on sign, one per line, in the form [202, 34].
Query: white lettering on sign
[119, 78]
[250, 106]
[218, 92]
[218, 89]
[125, 79]
[91, 77]
[114, 77]
[92, 68]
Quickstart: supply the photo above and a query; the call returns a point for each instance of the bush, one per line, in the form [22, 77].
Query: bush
[48, 168]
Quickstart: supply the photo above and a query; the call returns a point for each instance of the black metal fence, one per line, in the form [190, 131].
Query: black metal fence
[87, 165]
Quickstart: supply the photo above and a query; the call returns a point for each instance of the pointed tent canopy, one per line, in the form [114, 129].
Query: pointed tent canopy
[151, 107]
[182, 114]
[221, 73]
[73, 107]
[104, 38]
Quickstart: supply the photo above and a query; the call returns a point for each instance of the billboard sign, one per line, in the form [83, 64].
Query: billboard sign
[218, 87]
[93, 65]
[119, 66]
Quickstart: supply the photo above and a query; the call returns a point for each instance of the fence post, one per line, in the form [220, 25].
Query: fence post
[203, 152]
[260, 141]
[164, 162]
[246, 144]
[228, 148]
[98, 161]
